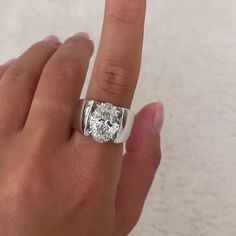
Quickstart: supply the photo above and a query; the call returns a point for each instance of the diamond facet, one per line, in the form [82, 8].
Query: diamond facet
[104, 122]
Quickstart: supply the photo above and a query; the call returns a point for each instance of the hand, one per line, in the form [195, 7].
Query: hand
[53, 180]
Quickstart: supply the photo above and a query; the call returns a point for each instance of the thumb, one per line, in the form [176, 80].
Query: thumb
[139, 167]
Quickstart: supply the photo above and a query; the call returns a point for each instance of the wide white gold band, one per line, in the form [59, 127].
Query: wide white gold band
[103, 121]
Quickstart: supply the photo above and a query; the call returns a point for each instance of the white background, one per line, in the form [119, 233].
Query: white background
[190, 64]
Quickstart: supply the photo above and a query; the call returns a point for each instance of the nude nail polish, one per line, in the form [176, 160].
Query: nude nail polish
[83, 34]
[158, 118]
[52, 39]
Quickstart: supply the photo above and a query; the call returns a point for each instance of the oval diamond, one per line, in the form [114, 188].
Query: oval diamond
[104, 122]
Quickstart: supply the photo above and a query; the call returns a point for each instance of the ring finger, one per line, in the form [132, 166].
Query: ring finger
[116, 72]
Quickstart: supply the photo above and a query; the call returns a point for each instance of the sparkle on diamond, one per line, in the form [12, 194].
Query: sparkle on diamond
[104, 122]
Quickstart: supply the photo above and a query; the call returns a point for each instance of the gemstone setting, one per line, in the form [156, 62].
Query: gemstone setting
[104, 121]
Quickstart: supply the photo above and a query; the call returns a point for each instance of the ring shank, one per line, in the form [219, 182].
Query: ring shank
[78, 116]
[126, 126]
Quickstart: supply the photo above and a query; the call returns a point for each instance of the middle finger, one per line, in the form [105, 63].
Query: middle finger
[59, 89]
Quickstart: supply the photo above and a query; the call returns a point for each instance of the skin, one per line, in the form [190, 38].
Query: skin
[53, 180]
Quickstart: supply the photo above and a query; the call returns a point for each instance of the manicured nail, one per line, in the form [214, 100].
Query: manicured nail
[83, 34]
[158, 118]
[86, 36]
[52, 39]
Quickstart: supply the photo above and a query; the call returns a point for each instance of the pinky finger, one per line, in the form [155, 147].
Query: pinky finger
[139, 167]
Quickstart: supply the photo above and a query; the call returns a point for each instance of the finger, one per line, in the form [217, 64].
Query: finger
[114, 78]
[140, 164]
[117, 65]
[5, 66]
[18, 84]
[59, 88]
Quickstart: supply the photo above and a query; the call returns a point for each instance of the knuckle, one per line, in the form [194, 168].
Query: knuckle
[123, 16]
[26, 181]
[88, 186]
[17, 72]
[88, 197]
[85, 182]
[35, 176]
[61, 67]
[85, 191]
[116, 75]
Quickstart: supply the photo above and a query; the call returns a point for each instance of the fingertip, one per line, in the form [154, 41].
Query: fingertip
[158, 119]
[147, 126]
[150, 110]
[86, 36]
[82, 37]
[52, 39]
[82, 34]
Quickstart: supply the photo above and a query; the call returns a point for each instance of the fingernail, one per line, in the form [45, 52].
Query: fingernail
[158, 118]
[86, 35]
[83, 34]
[52, 39]
[10, 61]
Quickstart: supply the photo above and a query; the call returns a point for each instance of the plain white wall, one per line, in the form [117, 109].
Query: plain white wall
[189, 63]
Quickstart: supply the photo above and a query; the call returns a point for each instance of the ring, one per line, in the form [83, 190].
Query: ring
[104, 122]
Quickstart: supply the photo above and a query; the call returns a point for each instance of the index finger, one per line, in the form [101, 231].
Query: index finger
[113, 81]
[117, 65]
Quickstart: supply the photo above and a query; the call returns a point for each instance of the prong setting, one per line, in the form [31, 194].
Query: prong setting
[103, 121]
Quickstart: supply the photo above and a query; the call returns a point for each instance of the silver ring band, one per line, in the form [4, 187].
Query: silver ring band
[103, 121]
